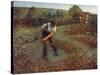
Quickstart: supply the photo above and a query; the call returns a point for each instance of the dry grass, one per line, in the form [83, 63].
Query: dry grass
[74, 46]
[78, 29]
[87, 39]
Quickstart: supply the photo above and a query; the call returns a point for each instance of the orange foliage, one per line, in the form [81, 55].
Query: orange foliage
[89, 40]
[78, 29]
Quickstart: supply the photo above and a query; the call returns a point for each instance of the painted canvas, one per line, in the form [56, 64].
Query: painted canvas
[51, 37]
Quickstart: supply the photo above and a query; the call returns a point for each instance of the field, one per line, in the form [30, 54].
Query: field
[77, 49]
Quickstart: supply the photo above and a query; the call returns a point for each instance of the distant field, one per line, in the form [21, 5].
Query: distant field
[76, 45]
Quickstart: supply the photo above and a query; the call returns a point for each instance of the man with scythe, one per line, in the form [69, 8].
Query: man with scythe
[48, 30]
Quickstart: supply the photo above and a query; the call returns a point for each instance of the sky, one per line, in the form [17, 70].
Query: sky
[86, 8]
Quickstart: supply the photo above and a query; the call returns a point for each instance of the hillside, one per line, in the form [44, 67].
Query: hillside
[76, 52]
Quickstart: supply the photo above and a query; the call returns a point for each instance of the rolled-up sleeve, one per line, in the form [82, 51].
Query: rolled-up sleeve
[54, 29]
[44, 25]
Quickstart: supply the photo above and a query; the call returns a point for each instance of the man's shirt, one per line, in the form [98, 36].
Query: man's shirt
[47, 27]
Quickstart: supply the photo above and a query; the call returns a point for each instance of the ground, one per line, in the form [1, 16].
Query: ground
[77, 50]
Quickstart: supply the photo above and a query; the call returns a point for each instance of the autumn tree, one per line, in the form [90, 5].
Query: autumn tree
[75, 11]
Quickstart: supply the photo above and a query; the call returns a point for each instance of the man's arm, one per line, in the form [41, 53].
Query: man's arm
[44, 39]
[52, 32]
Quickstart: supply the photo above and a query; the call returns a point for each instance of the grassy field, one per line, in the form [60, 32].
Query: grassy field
[77, 50]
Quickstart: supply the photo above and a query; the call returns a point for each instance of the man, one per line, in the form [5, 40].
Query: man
[48, 30]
